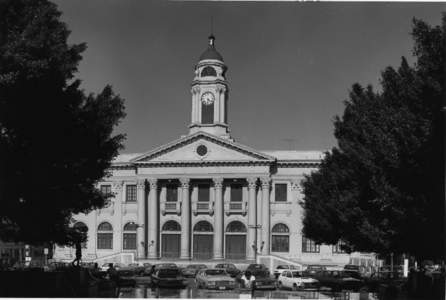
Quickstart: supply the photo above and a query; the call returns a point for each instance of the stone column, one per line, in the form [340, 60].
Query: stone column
[152, 237]
[252, 181]
[140, 240]
[266, 235]
[185, 219]
[117, 216]
[218, 219]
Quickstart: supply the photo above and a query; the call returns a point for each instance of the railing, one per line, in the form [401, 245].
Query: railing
[202, 207]
[233, 207]
[170, 207]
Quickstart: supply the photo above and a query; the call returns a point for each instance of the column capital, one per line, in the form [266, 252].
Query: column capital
[185, 182]
[252, 182]
[153, 182]
[266, 182]
[117, 185]
[141, 184]
[218, 182]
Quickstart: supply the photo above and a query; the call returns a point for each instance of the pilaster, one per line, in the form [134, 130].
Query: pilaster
[185, 219]
[218, 218]
[252, 183]
[140, 236]
[266, 234]
[152, 238]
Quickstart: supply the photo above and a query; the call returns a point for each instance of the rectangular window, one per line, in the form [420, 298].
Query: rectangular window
[106, 189]
[129, 241]
[280, 243]
[105, 240]
[130, 193]
[236, 193]
[308, 246]
[203, 193]
[337, 248]
[171, 193]
[280, 191]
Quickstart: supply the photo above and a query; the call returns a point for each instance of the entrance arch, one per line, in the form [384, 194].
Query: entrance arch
[203, 240]
[235, 240]
[170, 239]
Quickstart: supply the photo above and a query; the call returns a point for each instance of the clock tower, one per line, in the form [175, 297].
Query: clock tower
[210, 94]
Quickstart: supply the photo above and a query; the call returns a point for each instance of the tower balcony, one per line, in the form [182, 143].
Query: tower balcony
[203, 207]
[236, 207]
[170, 207]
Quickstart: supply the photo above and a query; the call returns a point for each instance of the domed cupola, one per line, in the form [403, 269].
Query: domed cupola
[211, 52]
[210, 94]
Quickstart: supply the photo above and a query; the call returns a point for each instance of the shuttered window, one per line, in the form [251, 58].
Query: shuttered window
[203, 193]
[171, 193]
[280, 191]
[236, 192]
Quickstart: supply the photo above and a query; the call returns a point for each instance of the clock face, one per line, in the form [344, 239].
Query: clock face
[207, 98]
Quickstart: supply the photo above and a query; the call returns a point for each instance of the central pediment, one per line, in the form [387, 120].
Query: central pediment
[202, 147]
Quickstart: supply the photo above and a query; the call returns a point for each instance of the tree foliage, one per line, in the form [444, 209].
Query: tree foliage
[381, 188]
[56, 142]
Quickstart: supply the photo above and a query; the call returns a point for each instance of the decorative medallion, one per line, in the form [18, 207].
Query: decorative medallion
[202, 150]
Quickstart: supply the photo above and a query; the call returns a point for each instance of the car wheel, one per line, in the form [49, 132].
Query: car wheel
[295, 287]
[279, 285]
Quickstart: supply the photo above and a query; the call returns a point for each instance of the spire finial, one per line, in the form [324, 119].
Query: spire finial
[212, 37]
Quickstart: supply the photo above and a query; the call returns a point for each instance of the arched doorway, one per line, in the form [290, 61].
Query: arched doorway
[203, 240]
[235, 240]
[170, 240]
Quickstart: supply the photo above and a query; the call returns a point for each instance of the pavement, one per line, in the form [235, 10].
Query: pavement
[144, 290]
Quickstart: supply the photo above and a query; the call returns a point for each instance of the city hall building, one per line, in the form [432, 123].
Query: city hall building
[206, 197]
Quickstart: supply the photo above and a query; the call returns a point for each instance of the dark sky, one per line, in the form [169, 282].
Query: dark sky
[291, 65]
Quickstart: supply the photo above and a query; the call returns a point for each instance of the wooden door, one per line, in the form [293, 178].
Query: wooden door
[170, 245]
[203, 246]
[235, 246]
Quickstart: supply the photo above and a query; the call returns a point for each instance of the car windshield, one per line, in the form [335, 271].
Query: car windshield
[168, 273]
[255, 267]
[282, 267]
[297, 274]
[261, 273]
[196, 267]
[215, 272]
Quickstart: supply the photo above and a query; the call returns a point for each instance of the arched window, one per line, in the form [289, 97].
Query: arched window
[171, 226]
[203, 226]
[80, 226]
[208, 71]
[129, 236]
[236, 226]
[207, 113]
[105, 236]
[280, 240]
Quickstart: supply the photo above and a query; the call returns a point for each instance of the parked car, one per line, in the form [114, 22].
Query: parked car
[338, 280]
[231, 269]
[264, 280]
[215, 279]
[254, 267]
[168, 277]
[313, 269]
[281, 268]
[157, 267]
[192, 270]
[138, 269]
[296, 280]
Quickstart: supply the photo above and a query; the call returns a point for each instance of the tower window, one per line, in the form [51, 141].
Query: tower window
[207, 113]
[208, 71]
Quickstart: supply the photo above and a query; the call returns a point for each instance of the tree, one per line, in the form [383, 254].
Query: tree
[56, 142]
[380, 189]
